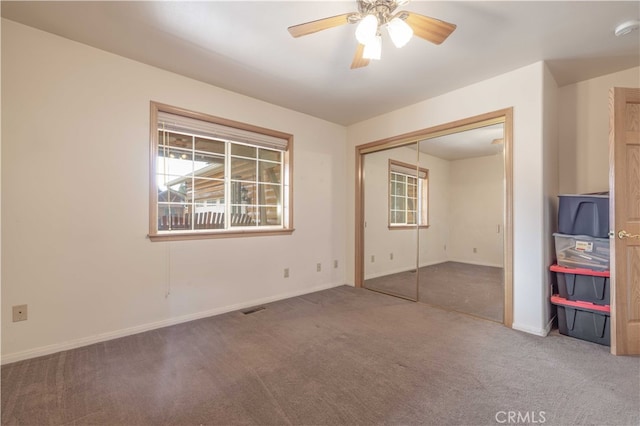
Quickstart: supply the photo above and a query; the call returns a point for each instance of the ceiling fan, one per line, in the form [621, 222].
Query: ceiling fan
[372, 15]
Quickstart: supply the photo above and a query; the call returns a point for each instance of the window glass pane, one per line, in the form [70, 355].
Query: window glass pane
[243, 216]
[175, 140]
[243, 169]
[411, 180]
[243, 193]
[398, 217]
[411, 218]
[397, 203]
[269, 172]
[243, 150]
[210, 166]
[208, 145]
[173, 216]
[412, 191]
[174, 162]
[400, 189]
[205, 217]
[165, 181]
[411, 204]
[267, 154]
[270, 216]
[210, 192]
[269, 194]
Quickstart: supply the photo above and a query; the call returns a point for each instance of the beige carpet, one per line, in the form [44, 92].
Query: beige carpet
[461, 287]
[341, 356]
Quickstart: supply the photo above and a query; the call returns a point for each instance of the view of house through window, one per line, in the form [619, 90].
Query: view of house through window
[215, 178]
[408, 196]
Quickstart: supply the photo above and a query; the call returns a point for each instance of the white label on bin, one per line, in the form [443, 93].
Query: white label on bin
[585, 246]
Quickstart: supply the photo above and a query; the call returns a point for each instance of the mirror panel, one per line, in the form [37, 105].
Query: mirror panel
[461, 253]
[390, 221]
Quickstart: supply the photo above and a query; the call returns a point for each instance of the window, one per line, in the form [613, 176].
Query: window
[212, 177]
[408, 196]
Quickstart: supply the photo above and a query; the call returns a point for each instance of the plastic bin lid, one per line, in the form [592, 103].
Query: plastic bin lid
[561, 301]
[592, 194]
[580, 237]
[579, 271]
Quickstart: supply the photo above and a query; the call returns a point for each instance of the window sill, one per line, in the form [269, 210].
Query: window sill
[184, 236]
[393, 228]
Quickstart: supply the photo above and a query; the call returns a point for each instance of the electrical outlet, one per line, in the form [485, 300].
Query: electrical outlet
[335, 263]
[318, 267]
[373, 258]
[286, 272]
[19, 313]
[390, 256]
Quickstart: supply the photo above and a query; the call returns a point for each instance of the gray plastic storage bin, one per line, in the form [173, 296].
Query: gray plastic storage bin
[583, 320]
[582, 251]
[584, 215]
[583, 284]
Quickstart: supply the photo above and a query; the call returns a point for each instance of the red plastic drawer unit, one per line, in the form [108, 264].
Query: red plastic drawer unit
[583, 284]
[583, 320]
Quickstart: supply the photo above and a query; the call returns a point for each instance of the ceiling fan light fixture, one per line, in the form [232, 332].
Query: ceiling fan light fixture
[367, 29]
[373, 48]
[399, 31]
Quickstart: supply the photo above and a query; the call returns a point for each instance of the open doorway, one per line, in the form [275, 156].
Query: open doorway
[453, 190]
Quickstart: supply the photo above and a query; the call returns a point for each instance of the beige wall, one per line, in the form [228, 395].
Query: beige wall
[583, 111]
[476, 210]
[75, 187]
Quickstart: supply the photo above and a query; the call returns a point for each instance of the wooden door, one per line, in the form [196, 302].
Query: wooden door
[624, 184]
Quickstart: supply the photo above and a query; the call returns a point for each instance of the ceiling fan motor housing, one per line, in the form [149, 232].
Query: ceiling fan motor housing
[381, 9]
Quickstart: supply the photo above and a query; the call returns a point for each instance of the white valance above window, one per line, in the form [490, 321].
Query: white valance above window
[413, 172]
[177, 123]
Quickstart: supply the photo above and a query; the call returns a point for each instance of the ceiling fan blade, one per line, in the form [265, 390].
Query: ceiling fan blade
[430, 29]
[319, 25]
[358, 60]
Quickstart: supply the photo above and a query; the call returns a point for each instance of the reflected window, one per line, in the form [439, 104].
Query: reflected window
[211, 178]
[408, 195]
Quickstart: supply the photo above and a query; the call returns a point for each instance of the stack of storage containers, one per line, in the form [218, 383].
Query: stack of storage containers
[582, 269]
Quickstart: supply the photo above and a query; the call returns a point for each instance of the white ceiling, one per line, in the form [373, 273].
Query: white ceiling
[245, 47]
[468, 144]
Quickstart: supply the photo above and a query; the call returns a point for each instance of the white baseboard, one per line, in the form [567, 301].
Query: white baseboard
[471, 262]
[85, 341]
[388, 272]
[542, 332]
[399, 270]
[433, 262]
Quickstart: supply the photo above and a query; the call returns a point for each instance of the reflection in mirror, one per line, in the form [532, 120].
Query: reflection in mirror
[393, 209]
[461, 254]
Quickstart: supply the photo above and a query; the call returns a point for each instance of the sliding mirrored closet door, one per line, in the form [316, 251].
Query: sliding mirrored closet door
[461, 251]
[392, 212]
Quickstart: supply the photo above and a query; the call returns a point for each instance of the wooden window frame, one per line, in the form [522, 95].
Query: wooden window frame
[423, 199]
[287, 180]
